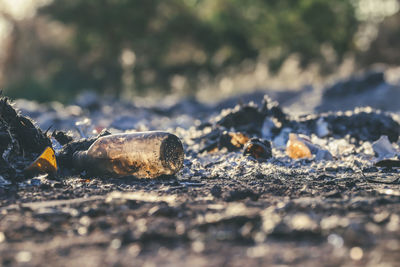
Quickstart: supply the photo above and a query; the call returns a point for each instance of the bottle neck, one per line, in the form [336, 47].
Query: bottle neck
[80, 159]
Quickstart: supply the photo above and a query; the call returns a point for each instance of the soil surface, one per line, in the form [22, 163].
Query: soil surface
[225, 207]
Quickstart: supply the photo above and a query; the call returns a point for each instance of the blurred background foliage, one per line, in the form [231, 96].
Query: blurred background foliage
[132, 47]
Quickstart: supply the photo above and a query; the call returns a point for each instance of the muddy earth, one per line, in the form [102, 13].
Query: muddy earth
[239, 199]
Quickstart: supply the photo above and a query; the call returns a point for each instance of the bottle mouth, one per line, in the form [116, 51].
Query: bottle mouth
[171, 153]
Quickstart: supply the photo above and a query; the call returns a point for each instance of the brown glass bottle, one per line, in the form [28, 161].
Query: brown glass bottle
[142, 154]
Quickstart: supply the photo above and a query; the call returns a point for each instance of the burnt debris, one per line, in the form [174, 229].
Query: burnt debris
[258, 149]
[249, 129]
[269, 121]
[362, 124]
[20, 141]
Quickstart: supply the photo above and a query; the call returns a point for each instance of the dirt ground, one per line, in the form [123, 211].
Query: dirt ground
[222, 209]
[306, 220]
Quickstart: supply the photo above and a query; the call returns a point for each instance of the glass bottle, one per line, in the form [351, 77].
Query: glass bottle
[142, 154]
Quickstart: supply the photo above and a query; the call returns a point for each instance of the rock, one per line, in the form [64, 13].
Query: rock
[258, 148]
[383, 148]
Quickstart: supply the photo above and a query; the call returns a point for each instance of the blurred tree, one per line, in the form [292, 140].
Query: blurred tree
[385, 48]
[187, 38]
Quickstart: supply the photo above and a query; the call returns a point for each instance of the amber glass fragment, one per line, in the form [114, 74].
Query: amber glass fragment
[45, 163]
[297, 149]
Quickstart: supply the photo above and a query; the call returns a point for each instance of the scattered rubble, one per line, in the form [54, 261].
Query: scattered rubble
[238, 199]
